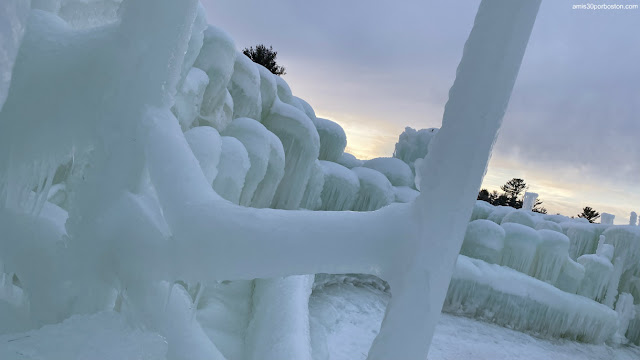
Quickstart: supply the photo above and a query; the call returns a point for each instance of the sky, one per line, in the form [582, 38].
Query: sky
[572, 129]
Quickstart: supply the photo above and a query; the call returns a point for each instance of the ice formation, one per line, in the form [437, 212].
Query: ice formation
[571, 276]
[413, 145]
[510, 298]
[606, 218]
[349, 161]
[520, 246]
[529, 200]
[518, 217]
[633, 218]
[484, 240]
[333, 140]
[375, 190]
[145, 232]
[398, 173]
[340, 189]
[550, 256]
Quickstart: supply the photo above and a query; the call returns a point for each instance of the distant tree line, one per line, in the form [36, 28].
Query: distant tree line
[510, 196]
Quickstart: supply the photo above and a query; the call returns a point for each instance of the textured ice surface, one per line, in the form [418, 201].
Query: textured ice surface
[311, 199]
[233, 168]
[333, 140]
[484, 240]
[529, 200]
[258, 142]
[189, 97]
[518, 217]
[571, 276]
[597, 274]
[375, 190]
[206, 144]
[105, 336]
[349, 161]
[481, 210]
[520, 247]
[606, 218]
[341, 187]
[550, 257]
[515, 300]
[398, 173]
[413, 145]
[244, 88]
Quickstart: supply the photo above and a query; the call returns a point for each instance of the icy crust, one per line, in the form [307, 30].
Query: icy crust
[333, 139]
[105, 335]
[512, 299]
[375, 190]
[349, 161]
[398, 173]
[413, 145]
[341, 187]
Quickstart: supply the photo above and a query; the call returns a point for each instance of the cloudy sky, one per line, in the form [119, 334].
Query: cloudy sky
[572, 130]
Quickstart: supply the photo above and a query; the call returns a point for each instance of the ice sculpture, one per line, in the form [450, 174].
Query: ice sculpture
[606, 218]
[529, 200]
[142, 212]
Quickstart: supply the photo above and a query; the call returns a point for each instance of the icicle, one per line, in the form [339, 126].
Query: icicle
[194, 309]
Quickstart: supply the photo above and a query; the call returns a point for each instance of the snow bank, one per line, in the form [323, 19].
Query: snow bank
[515, 300]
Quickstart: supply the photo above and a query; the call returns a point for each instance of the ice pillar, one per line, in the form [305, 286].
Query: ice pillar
[529, 201]
[607, 219]
[456, 163]
[633, 219]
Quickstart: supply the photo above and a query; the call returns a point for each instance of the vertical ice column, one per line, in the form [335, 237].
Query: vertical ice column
[529, 200]
[633, 219]
[607, 219]
[453, 171]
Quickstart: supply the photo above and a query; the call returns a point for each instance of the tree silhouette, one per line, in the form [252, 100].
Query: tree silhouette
[265, 57]
[589, 214]
[513, 188]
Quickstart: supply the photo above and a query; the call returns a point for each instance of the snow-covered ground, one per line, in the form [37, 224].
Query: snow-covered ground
[354, 314]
